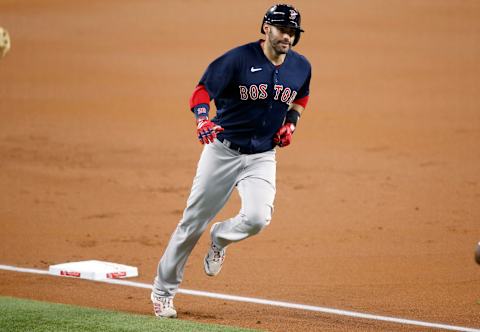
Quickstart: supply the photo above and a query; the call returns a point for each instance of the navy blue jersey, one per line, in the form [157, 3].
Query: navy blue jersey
[252, 95]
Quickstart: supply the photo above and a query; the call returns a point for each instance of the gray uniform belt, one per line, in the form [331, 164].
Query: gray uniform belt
[234, 146]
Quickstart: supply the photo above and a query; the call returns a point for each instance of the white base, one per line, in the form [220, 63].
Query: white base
[93, 270]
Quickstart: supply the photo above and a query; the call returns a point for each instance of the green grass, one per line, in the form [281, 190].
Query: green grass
[35, 316]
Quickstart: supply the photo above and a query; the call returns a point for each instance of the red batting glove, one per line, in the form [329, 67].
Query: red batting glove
[283, 137]
[207, 130]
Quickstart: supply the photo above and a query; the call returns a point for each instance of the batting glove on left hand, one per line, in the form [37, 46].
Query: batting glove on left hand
[283, 137]
[207, 130]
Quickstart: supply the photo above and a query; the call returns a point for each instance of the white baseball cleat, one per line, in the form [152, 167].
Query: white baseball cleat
[163, 306]
[214, 260]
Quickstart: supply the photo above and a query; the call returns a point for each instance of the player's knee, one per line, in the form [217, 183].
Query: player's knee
[258, 219]
[191, 231]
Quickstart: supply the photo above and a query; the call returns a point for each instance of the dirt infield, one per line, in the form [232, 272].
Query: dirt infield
[378, 200]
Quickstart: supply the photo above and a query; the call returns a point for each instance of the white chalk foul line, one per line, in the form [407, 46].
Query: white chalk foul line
[268, 302]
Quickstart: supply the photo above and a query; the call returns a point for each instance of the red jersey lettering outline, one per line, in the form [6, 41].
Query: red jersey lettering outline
[243, 92]
[278, 88]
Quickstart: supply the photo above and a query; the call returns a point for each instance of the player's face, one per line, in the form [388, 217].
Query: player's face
[280, 38]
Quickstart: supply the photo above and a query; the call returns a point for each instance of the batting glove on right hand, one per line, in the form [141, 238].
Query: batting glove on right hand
[207, 130]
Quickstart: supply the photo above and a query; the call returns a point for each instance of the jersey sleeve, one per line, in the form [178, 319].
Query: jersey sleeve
[219, 74]
[304, 92]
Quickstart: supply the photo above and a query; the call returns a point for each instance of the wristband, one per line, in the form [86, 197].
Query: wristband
[201, 111]
[292, 117]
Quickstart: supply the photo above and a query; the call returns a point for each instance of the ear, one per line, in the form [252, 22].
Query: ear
[265, 28]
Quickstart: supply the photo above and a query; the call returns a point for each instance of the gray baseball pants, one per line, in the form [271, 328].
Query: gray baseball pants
[219, 171]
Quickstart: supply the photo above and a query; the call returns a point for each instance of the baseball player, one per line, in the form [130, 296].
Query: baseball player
[260, 90]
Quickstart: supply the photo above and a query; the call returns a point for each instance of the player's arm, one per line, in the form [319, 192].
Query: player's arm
[214, 80]
[283, 137]
[200, 106]
[295, 110]
[297, 107]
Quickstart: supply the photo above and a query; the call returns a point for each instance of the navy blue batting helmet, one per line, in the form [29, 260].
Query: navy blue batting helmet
[285, 16]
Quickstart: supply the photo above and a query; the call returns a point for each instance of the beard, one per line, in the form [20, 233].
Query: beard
[278, 45]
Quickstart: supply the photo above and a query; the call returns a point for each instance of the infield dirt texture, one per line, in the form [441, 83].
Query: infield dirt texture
[378, 197]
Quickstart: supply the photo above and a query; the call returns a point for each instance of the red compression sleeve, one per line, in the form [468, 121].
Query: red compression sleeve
[199, 96]
[302, 101]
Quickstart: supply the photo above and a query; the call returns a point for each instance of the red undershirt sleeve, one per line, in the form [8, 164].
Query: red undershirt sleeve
[302, 101]
[199, 96]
